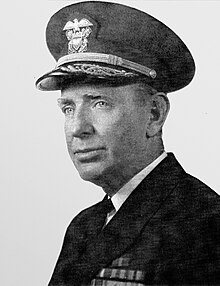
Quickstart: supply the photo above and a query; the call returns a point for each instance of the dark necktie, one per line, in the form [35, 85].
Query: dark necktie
[106, 206]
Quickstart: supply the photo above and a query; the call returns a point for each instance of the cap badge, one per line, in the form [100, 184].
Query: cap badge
[77, 33]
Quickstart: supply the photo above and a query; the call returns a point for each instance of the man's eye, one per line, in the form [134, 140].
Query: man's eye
[68, 110]
[101, 104]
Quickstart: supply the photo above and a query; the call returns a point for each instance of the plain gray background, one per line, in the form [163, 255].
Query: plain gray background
[40, 189]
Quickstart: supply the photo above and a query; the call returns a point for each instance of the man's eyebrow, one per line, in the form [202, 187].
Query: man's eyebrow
[87, 97]
[92, 96]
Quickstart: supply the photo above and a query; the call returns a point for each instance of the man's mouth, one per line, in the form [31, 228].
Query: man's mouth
[87, 150]
[88, 154]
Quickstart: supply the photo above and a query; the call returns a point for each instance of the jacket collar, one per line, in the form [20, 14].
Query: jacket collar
[120, 197]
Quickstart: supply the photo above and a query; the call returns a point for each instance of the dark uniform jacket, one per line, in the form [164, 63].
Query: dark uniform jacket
[166, 233]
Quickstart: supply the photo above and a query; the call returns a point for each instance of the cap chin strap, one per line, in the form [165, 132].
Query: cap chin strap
[106, 59]
[94, 70]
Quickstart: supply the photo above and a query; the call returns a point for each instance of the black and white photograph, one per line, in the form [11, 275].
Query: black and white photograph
[110, 143]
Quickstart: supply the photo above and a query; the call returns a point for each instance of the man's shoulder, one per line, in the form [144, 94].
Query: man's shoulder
[193, 199]
[188, 199]
[195, 189]
[185, 185]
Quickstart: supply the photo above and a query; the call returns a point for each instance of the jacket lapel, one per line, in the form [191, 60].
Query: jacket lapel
[126, 225]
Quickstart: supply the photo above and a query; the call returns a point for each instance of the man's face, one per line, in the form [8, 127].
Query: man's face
[105, 130]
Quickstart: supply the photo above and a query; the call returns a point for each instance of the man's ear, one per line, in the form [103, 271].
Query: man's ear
[160, 107]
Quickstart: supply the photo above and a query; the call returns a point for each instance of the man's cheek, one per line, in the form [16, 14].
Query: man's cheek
[68, 142]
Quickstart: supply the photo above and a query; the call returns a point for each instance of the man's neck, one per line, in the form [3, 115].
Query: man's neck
[115, 182]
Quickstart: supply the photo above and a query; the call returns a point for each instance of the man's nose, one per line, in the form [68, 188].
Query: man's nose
[80, 125]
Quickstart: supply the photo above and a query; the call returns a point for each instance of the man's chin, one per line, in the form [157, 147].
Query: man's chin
[91, 173]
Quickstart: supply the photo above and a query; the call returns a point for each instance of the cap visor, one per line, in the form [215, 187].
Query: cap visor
[57, 80]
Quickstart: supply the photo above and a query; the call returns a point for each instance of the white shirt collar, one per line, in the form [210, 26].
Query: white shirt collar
[119, 198]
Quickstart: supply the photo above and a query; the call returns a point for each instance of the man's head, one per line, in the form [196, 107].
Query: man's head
[112, 132]
[111, 61]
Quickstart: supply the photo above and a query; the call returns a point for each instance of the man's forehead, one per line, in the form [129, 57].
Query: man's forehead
[114, 92]
[85, 89]
[95, 88]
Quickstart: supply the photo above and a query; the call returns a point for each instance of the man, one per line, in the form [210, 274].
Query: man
[157, 225]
